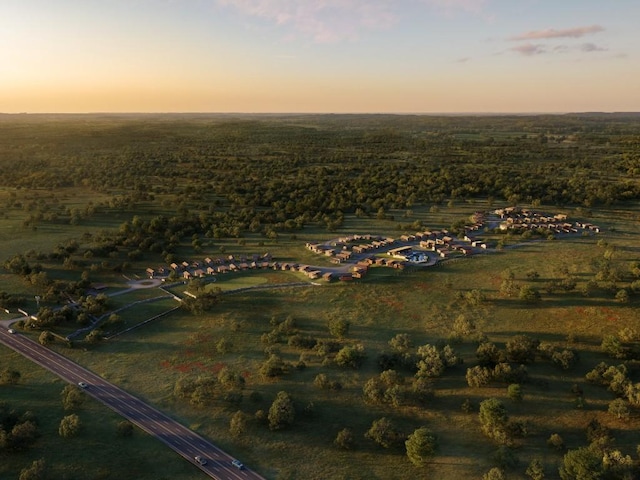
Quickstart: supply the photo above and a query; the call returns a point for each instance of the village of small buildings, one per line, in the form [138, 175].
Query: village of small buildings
[352, 255]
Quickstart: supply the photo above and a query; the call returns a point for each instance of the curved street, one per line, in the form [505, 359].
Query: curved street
[176, 436]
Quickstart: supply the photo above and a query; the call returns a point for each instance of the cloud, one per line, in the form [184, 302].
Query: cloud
[330, 21]
[471, 6]
[529, 49]
[325, 21]
[591, 47]
[575, 32]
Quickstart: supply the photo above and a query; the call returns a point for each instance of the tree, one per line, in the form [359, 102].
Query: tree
[282, 412]
[350, 356]
[478, 376]
[581, 464]
[612, 346]
[69, 426]
[514, 391]
[421, 445]
[522, 349]
[94, 336]
[383, 432]
[488, 354]
[339, 327]
[204, 301]
[21, 436]
[616, 465]
[230, 380]
[37, 471]
[494, 474]
[401, 343]
[238, 423]
[46, 337]
[565, 359]
[72, 397]
[433, 361]
[619, 408]
[556, 442]
[273, 366]
[494, 419]
[528, 294]
[622, 296]
[535, 470]
[345, 439]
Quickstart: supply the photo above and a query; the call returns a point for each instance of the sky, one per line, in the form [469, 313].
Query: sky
[321, 56]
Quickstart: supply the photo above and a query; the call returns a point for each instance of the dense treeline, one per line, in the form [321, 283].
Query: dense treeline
[274, 174]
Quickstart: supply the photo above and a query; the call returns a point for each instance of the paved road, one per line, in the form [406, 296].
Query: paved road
[185, 442]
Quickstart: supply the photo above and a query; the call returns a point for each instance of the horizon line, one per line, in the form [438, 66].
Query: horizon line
[476, 113]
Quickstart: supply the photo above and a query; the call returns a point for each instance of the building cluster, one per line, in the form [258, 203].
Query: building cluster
[343, 248]
[212, 266]
[444, 244]
[363, 251]
[518, 219]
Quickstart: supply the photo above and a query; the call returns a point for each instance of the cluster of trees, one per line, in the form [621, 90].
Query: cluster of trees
[18, 430]
[616, 379]
[204, 389]
[312, 169]
[608, 275]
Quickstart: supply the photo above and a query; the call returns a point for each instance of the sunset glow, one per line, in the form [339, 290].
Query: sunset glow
[422, 56]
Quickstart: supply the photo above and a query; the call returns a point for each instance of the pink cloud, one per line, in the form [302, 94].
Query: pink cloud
[576, 32]
[326, 21]
[529, 49]
[472, 6]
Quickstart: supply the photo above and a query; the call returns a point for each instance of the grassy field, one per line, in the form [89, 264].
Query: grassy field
[421, 303]
[97, 452]
[99, 199]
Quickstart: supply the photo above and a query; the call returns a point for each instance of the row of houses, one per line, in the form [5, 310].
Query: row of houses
[211, 266]
[530, 215]
[553, 227]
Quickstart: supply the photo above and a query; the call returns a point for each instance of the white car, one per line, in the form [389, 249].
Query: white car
[11, 330]
[82, 385]
[238, 464]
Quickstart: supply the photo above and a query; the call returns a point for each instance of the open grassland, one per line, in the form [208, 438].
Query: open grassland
[97, 451]
[419, 302]
[100, 200]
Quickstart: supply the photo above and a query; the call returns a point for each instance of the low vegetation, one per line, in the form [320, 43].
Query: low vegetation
[521, 363]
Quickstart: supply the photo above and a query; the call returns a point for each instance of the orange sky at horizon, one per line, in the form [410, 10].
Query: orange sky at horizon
[276, 56]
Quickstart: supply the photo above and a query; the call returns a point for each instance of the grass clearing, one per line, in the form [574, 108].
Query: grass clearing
[97, 451]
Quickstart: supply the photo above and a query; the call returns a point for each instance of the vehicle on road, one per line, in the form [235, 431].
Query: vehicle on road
[238, 464]
[200, 460]
[11, 330]
[82, 385]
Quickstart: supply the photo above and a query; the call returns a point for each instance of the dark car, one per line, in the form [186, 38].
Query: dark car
[200, 460]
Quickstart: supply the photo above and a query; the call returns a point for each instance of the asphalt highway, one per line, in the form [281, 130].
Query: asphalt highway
[176, 436]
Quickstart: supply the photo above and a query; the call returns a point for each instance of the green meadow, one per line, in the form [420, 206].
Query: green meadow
[107, 234]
